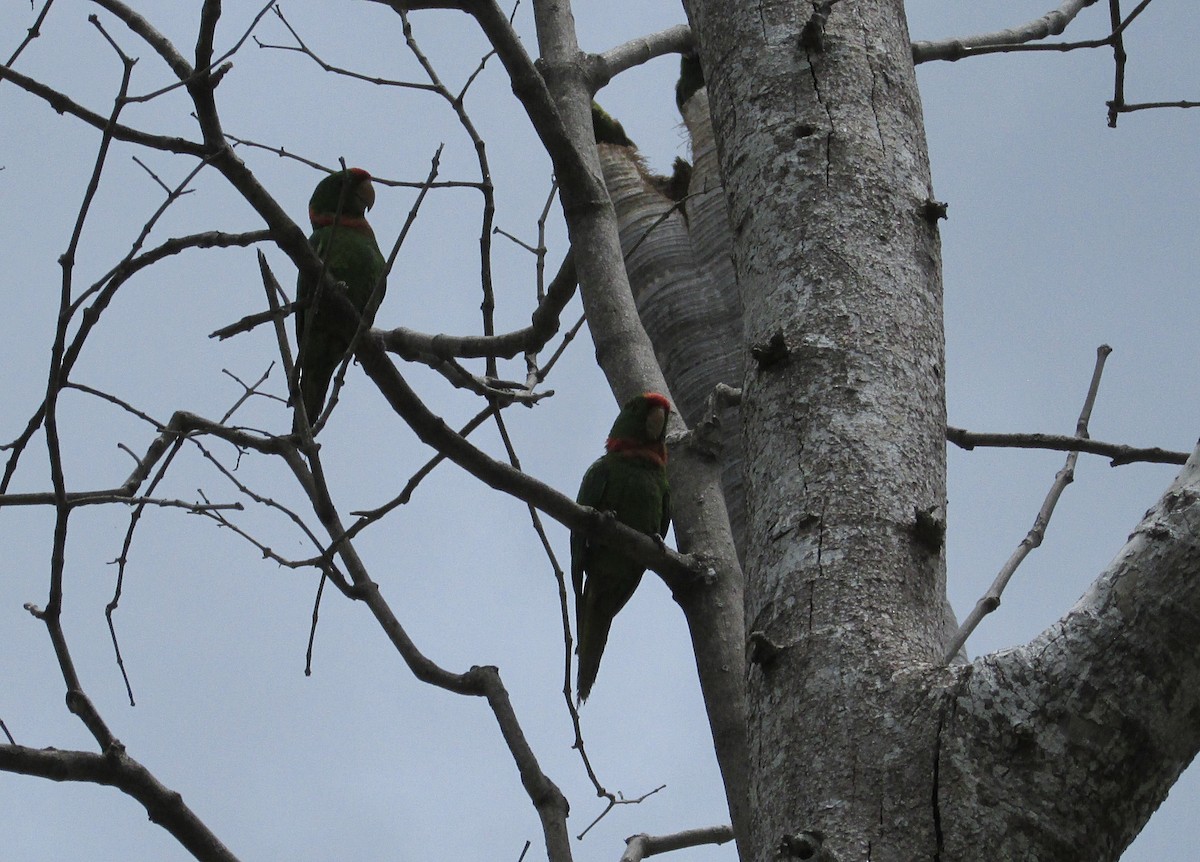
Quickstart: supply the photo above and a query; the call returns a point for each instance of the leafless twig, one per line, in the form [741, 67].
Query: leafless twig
[991, 599]
[1118, 452]
[34, 30]
[613, 802]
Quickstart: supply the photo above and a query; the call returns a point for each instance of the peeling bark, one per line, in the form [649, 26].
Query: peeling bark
[679, 261]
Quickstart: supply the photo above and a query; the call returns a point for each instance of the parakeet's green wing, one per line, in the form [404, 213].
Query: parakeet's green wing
[354, 258]
[351, 257]
[591, 493]
[634, 489]
[665, 521]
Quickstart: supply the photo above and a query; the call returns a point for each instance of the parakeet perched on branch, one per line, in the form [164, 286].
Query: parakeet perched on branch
[344, 240]
[630, 481]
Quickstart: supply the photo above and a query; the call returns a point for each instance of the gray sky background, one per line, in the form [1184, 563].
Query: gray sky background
[1062, 235]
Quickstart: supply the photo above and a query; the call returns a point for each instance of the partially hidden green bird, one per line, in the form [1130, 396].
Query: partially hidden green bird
[344, 240]
[630, 482]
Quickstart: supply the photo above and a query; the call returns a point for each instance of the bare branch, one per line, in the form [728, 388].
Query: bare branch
[409, 344]
[638, 847]
[1125, 108]
[65, 105]
[211, 67]
[565, 618]
[1119, 453]
[991, 599]
[675, 568]
[75, 499]
[1051, 24]
[77, 700]
[602, 68]
[488, 305]
[479, 681]
[614, 801]
[115, 768]
[302, 48]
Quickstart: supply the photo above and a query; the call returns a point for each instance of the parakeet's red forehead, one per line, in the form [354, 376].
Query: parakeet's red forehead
[658, 400]
[360, 174]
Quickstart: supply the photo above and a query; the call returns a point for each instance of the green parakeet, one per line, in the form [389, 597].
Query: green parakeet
[344, 240]
[630, 481]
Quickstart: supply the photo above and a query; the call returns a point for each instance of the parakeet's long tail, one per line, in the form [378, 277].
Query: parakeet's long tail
[592, 639]
[314, 383]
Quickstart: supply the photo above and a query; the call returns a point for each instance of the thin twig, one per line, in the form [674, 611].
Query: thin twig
[122, 561]
[378, 288]
[1033, 539]
[488, 305]
[613, 802]
[302, 48]
[247, 390]
[368, 517]
[312, 629]
[34, 30]
[212, 67]
[1118, 452]
[77, 700]
[565, 614]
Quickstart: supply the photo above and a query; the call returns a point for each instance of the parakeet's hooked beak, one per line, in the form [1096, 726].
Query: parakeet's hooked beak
[365, 192]
[656, 419]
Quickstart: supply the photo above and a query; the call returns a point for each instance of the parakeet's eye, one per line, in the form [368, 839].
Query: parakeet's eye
[656, 421]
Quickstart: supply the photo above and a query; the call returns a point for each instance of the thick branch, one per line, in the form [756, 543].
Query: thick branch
[1110, 694]
[638, 847]
[602, 68]
[115, 768]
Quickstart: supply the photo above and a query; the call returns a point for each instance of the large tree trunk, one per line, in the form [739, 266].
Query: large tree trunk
[826, 175]
[862, 746]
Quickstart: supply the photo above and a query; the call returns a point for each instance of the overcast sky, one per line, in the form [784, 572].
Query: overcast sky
[1062, 234]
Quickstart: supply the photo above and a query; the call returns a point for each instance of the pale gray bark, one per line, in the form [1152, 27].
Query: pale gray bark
[861, 747]
[1062, 748]
[826, 173]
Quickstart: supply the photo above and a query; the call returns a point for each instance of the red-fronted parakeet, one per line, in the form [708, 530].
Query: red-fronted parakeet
[630, 481]
[344, 240]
